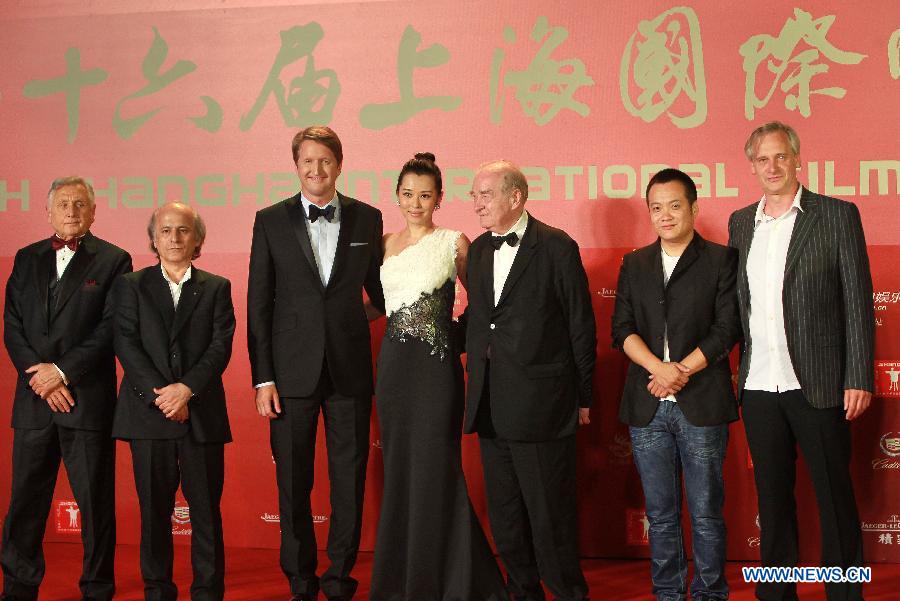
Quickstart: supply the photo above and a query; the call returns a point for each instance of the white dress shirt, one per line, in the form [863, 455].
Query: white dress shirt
[323, 236]
[63, 258]
[771, 369]
[176, 287]
[668, 263]
[506, 254]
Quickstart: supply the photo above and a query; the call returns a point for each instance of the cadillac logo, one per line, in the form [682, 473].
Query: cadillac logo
[890, 444]
[181, 514]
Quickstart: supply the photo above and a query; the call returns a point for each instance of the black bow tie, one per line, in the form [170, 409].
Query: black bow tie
[315, 212]
[511, 238]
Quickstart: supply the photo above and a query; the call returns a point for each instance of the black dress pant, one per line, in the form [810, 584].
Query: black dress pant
[90, 460]
[776, 423]
[531, 498]
[159, 466]
[293, 440]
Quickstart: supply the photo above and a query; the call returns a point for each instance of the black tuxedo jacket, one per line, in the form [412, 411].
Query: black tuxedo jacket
[294, 322]
[827, 297]
[699, 305]
[76, 333]
[541, 335]
[159, 345]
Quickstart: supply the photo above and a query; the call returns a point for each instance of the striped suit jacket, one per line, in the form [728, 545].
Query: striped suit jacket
[827, 298]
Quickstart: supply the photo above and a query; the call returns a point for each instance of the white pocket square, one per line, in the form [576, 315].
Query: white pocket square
[358, 243]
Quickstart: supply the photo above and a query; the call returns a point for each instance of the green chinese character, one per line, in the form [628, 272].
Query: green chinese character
[379, 116]
[665, 63]
[156, 81]
[792, 70]
[546, 86]
[70, 84]
[297, 100]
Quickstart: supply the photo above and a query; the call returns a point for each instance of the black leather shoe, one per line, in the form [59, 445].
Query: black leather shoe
[301, 597]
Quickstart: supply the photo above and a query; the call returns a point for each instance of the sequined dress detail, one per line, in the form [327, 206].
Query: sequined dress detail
[419, 288]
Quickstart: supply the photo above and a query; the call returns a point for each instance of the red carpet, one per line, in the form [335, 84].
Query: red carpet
[254, 575]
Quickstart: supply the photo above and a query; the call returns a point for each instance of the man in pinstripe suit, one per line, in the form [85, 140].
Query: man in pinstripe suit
[805, 295]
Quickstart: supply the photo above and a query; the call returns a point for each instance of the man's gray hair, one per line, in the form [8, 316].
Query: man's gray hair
[770, 128]
[199, 227]
[71, 180]
[513, 178]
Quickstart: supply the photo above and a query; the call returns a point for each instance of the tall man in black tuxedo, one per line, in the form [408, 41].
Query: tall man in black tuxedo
[173, 330]
[308, 337]
[58, 332]
[676, 318]
[805, 294]
[531, 345]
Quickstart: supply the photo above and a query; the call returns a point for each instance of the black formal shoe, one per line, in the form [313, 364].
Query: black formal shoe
[301, 597]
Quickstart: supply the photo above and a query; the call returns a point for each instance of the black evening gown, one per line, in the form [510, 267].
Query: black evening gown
[430, 545]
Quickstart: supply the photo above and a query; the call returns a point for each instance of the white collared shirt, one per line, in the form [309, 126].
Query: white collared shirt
[506, 254]
[323, 236]
[64, 257]
[176, 287]
[668, 262]
[770, 369]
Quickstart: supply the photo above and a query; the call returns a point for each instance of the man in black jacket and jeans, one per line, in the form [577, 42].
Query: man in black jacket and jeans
[676, 318]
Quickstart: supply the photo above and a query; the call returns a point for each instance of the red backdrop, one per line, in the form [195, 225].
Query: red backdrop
[159, 100]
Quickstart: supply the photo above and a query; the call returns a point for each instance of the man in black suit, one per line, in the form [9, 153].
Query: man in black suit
[308, 337]
[531, 345]
[58, 332]
[805, 294]
[173, 330]
[676, 318]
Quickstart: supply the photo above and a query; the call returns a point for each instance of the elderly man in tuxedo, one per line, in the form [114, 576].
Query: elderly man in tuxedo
[531, 346]
[173, 330]
[805, 296]
[58, 332]
[308, 336]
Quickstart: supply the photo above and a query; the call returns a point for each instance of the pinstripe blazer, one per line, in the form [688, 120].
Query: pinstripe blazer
[827, 298]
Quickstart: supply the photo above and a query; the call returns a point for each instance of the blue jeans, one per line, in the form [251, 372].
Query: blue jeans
[662, 449]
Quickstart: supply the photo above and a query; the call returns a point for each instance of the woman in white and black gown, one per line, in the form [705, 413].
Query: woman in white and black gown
[430, 545]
